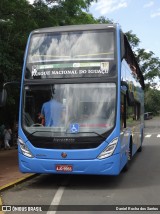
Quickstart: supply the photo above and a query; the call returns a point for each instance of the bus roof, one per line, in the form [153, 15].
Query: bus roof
[86, 27]
[75, 28]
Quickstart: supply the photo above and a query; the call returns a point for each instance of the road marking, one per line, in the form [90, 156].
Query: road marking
[148, 135]
[57, 198]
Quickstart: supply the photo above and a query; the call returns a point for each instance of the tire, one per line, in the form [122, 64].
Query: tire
[140, 148]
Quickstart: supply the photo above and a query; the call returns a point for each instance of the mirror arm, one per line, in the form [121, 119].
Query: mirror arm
[10, 83]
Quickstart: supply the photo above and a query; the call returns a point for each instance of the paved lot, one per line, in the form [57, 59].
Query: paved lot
[9, 172]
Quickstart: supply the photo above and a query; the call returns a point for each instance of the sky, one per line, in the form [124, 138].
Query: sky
[142, 17]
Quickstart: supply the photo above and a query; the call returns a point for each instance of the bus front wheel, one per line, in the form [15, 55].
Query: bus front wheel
[140, 148]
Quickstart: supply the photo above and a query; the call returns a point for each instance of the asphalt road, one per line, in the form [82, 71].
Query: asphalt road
[138, 186]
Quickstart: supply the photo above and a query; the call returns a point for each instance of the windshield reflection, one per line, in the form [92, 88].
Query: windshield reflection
[71, 45]
[65, 109]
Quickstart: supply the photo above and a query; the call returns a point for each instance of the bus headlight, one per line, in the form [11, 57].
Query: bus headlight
[24, 148]
[108, 151]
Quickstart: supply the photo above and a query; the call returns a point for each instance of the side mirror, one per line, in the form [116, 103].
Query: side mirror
[3, 97]
[3, 93]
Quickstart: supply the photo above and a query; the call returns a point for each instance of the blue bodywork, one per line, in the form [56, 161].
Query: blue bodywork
[83, 161]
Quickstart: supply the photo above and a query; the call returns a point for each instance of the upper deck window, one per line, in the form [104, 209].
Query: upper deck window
[78, 45]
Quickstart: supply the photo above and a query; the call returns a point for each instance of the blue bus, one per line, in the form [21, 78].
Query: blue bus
[81, 102]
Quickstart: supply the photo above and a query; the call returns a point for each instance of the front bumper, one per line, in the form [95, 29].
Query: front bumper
[107, 166]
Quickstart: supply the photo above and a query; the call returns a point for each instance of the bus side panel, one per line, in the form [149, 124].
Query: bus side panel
[125, 141]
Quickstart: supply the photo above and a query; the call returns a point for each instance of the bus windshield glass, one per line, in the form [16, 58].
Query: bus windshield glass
[67, 109]
[70, 54]
[71, 45]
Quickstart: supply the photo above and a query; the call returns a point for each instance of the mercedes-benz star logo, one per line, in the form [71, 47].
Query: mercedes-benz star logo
[64, 155]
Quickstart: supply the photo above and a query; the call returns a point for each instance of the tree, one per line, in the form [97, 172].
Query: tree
[64, 12]
[150, 67]
[15, 24]
[133, 39]
[152, 101]
[18, 18]
[149, 64]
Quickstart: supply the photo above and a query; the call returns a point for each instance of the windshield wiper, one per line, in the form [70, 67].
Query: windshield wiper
[31, 134]
[100, 135]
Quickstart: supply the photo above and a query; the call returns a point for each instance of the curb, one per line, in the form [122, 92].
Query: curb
[11, 184]
[18, 181]
[1, 212]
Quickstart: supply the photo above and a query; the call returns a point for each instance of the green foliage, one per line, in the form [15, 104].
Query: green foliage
[15, 25]
[103, 20]
[150, 67]
[149, 64]
[133, 39]
[152, 101]
[18, 18]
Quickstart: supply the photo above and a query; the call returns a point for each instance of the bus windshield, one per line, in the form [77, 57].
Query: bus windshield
[67, 109]
[78, 54]
[71, 45]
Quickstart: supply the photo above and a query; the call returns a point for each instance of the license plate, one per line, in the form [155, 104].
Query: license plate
[64, 168]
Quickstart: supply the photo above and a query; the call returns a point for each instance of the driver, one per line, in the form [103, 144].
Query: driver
[52, 112]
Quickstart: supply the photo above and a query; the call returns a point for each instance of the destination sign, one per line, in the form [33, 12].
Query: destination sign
[68, 70]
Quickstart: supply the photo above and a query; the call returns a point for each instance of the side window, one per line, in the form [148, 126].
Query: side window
[133, 114]
[137, 111]
[130, 117]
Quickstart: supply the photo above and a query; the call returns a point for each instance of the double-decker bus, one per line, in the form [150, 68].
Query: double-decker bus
[81, 103]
